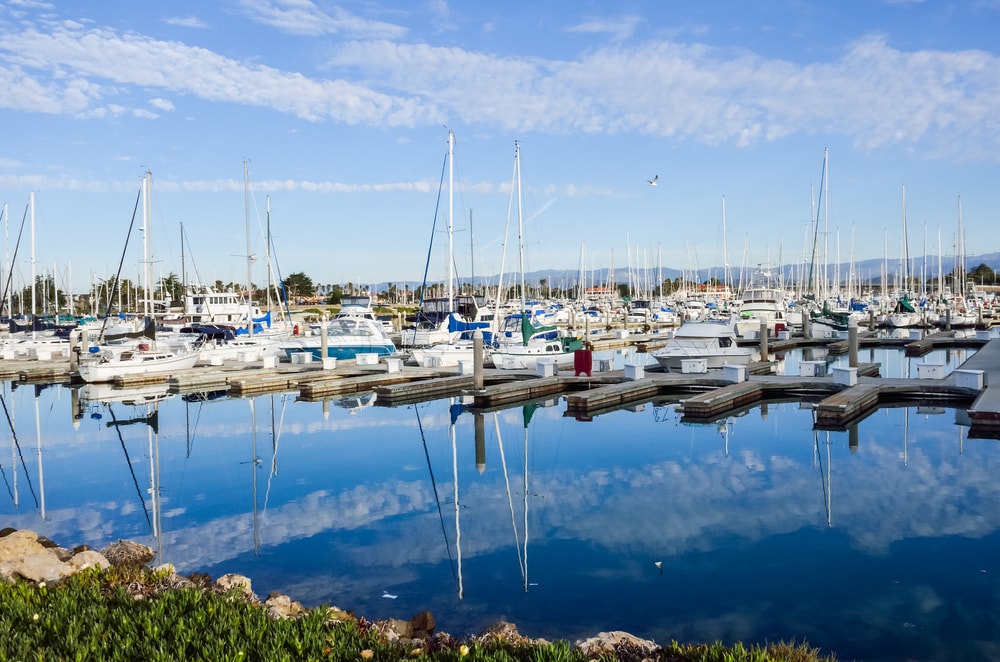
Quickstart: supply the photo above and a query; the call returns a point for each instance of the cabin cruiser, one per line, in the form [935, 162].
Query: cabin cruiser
[715, 342]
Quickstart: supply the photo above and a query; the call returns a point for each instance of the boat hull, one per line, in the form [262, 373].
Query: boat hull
[106, 369]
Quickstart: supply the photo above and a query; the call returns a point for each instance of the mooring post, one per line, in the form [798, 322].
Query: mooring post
[852, 342]
[763, 339]
[947, 318]
[871, 319]
[74, 351]
[477, 359]
[806, 328]
[322, 338]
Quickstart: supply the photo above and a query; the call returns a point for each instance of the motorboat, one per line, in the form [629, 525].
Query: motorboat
[346, 337]
[715, 342]
[104, 365]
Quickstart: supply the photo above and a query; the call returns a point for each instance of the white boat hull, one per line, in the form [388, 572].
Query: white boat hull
[107, 368]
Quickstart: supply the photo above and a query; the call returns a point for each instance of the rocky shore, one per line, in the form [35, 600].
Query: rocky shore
[26, 556]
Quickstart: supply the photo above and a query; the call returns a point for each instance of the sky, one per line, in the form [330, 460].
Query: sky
[341, 112]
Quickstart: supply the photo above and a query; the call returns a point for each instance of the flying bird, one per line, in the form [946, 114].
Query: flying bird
[659, 566]
[654, 180]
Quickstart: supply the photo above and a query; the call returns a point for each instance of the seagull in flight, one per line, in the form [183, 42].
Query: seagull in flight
[654, 180]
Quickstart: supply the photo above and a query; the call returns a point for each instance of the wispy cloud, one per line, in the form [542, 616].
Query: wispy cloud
[185, 21]
[88, 59]
[875, 94]
[620, 28]
[303, 17]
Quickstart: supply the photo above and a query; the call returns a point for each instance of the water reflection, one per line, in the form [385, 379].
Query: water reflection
[878, 542]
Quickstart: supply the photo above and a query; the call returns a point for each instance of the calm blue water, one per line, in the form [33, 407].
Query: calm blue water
[763, 529]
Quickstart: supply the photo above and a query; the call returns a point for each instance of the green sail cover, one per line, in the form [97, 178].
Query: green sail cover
[528, 329]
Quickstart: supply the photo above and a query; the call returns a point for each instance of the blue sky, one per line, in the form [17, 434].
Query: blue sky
[342, 110]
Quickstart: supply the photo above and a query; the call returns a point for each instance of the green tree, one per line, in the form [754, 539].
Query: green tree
[334, 294]
[982, 274]
[172, 288]
[298, 285]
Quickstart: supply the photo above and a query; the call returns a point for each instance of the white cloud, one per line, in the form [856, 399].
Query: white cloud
[305, 18]
[173, 66]
[161, 104]
[875, 94]
[620, 28]
[185, 21]
[30, 4]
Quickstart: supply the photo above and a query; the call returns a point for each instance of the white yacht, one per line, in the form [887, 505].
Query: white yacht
[713, 341]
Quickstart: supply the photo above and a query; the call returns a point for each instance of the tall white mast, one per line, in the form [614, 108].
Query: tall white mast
[246, 213]
[147, 248]
[6, 252]
[451, 203]
[31, 202]
[725, 250]
[520, 224]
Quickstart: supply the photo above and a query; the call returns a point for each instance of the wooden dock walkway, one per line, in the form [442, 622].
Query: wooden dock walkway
[985, 411]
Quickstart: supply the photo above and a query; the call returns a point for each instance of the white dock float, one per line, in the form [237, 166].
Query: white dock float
[845, 376]
[546, 367]
[734, 373]
[812, 368]
[634, 372]
[970, 379]
[366, 358]
[930, 371]
[694, 366]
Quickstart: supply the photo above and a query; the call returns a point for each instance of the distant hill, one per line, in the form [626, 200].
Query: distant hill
[869, 271]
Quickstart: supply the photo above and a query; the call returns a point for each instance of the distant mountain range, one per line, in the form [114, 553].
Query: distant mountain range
[869, 271]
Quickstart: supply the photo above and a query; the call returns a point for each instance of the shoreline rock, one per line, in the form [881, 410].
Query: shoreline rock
[26, 555]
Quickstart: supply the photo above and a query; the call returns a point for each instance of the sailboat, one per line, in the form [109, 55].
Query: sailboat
[958, 313]
[520, 342]
[442, 331]
[105, 363]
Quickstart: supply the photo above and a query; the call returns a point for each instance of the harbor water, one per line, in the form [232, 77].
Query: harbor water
[879, 542]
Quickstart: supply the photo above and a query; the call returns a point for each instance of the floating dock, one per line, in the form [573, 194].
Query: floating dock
[839, 403]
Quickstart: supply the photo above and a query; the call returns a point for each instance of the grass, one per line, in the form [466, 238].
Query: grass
[136, 613]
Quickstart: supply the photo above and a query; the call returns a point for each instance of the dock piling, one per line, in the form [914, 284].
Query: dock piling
[477, 359]
[852, 342]
[763, 339]
[323, 342]
[74, 351]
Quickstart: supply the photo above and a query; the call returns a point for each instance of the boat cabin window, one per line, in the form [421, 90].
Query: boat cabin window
[725, 342]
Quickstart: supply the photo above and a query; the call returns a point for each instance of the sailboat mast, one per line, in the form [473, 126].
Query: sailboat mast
[472, 254]
[267, 252]
[6, 254]
[246, 213]
[725, 251]
[906, 248]
[451, 209]
[183, 268]
[520, 223]
[960, 261]
[31, 202]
